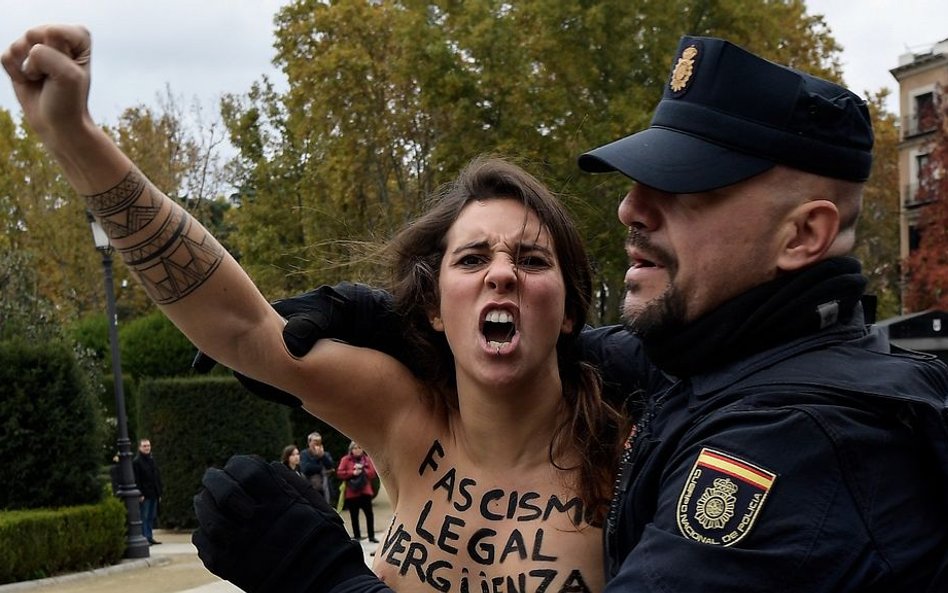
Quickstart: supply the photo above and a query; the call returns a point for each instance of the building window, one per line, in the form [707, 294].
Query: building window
[926, 117]
[919, 189]
[914, 238]
[921, 168]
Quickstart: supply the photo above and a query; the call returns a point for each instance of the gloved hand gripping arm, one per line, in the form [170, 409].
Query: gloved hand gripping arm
[265, 529]
[353, 313]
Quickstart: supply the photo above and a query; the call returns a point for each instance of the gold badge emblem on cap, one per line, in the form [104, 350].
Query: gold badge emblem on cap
[684, 69]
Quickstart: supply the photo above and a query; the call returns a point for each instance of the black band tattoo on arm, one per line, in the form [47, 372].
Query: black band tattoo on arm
[170, 252]
[123, 209]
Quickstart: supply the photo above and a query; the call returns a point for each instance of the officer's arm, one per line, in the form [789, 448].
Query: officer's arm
[353, 313]
[753, 500]
[627, 375]
[267, 530]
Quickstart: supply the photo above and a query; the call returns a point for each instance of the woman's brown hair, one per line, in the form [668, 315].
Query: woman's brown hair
[592, 427]
[285, 455]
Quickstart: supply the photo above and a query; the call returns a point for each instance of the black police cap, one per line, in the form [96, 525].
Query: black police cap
[727, 115]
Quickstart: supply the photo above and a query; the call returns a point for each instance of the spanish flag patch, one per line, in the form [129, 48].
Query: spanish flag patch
[721, 498]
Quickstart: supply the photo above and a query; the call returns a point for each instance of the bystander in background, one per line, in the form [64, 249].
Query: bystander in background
[148, 480]
[291, 458]
[318, 466]
[358, 471]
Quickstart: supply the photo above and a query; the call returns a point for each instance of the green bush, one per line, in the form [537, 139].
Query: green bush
[92, 333]
[153, 347]
[43, 542]
[196, 423]
[51, 434]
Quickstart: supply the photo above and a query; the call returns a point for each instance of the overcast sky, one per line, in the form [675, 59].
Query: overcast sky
[204, 48]
[200, 48]
[874, 33]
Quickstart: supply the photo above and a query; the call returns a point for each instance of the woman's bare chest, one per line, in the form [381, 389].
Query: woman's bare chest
[459, 529]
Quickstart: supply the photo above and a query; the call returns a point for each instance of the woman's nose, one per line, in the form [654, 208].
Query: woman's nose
[501, 275]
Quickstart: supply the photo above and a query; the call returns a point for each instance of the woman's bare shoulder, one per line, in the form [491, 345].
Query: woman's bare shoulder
[365, 394]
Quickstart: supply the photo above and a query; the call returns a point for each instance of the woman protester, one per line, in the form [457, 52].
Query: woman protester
[498, 457]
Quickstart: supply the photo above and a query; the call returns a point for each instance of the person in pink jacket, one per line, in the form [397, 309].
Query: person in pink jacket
[357, 471]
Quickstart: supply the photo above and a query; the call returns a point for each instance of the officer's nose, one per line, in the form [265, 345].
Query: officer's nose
[638, 209]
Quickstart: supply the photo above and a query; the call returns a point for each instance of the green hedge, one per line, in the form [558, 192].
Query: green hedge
[153, 347]
[107, 401]
[51, 432]
[196, 423]
[42, 542]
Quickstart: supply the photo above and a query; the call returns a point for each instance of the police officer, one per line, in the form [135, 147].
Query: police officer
[793, 450]
[783, 447]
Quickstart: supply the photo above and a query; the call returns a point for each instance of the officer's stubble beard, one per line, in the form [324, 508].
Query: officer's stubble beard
[664, 313]
[660, 316]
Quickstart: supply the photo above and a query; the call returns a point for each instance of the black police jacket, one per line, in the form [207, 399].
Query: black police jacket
[816, 466]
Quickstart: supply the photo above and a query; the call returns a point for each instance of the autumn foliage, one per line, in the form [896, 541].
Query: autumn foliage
[926, 269]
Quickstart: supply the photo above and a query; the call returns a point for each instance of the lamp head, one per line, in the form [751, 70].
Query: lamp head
[99, 235]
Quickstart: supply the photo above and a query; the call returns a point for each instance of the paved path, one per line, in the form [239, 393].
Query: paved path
[173, 567]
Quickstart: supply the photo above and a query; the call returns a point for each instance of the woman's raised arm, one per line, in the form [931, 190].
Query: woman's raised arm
[197, 284]
[181, 266]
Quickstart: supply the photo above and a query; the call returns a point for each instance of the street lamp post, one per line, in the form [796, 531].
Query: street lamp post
[136, 546]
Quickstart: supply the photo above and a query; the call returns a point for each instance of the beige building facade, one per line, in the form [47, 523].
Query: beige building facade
[920, 76]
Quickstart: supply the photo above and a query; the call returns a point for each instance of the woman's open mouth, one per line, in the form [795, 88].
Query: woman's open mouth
[499, 329]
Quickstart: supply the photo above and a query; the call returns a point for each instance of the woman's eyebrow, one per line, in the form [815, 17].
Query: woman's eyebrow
[535, 247]
[521, 247]
[481, 244]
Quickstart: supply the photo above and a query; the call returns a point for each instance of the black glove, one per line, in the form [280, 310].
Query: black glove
[266, 529]
[353, 313]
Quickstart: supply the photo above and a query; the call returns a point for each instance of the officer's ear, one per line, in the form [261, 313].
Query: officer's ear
[809, 232]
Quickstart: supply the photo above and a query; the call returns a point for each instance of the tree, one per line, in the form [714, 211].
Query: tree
[926, 269]
[270, 240]
[24, 313]
[8, 180]
[179, 155]
[388, 100]
[41, 215]
[877, 237]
